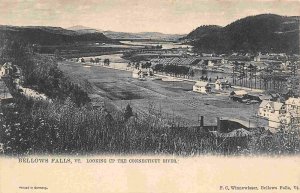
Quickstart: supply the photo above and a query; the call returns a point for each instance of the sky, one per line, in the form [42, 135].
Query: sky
[166, 16]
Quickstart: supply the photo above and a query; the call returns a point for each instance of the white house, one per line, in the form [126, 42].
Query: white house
[222, 84]
[271, 109]
[141, 73]
[274, 112]
[293, 105]
[210, 63]
[202, 87]
[6, 69]
[281, 115]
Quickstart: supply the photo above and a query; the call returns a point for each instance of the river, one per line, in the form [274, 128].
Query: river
[116, 60]
[165, 45]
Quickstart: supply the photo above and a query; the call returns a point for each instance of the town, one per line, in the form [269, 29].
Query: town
[269, 80]
[156, 96]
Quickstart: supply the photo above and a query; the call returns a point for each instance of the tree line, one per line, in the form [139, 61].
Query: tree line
[174, 69]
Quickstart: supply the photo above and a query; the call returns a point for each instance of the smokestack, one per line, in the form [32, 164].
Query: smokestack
[218, 124]
[201, 121]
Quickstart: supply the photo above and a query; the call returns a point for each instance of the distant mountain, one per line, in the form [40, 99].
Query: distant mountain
[78, 27]
[128, 35]
[44, 35]
[265, 32]
[142, 35]
[83, 29]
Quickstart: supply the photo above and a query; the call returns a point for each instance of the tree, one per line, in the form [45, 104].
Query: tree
[106, 62]
[146, 65]
[158, 67]
[128, 112]
[191, 72]
[97, 60]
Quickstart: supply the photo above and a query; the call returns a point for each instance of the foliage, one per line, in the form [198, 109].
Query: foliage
[41, 72]
[48, 35]
[146, 65]
[106, 62]
[250, 34]
[174, 69]
[128, 112]
[97, 60]
[61, 127]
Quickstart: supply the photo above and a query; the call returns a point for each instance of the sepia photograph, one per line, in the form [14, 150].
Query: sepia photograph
[177, 78]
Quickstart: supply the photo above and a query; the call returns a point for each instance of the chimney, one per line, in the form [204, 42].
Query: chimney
[201, 121]
[218, 124]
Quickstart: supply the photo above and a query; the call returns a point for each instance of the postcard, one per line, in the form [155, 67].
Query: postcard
[164, 96]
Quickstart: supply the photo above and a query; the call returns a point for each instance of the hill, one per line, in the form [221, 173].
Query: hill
[44, 35]
[203, 31]
[83, 29]
[265, 32]
[127, 35]
[143, 35]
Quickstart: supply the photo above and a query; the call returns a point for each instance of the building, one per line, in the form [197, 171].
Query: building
[238, 95]
[274, 112]
[271, 109]
[281, 115]
[293, 105]
[5, 96]
[142, 73]
[202, 87]
[222, 84]
[6, 69]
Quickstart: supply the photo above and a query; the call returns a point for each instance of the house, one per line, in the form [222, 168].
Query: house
[280, 115]
[222, 84]
[6, 69]
[274, 112]
[202, 87]
[292, 116]
[238, 95]
[293, 105]
[290, 120]
[142, 73]
[271, 109]
[210, 63]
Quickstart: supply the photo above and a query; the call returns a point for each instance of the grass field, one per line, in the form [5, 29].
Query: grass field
[173, 100]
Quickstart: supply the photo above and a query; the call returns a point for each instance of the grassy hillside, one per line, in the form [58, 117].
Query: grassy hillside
[266, 32]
